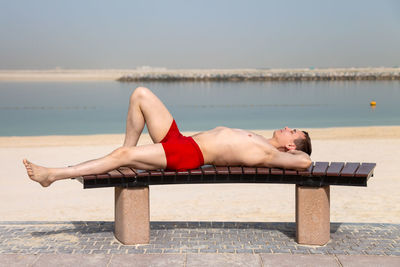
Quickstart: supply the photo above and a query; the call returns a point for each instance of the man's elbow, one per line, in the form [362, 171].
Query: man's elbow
[306, 162]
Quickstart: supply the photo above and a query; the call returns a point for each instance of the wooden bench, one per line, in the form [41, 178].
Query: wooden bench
[132, 216]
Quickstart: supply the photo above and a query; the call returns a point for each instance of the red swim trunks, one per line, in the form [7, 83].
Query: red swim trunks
[182, 152]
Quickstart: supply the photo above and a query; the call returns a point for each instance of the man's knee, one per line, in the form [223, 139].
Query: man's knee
[125, 154]
[140, 93]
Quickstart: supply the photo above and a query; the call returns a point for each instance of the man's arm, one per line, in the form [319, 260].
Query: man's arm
[294, 159]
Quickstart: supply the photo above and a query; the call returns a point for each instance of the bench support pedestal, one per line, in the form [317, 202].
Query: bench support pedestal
[312, 215]
[132, 215]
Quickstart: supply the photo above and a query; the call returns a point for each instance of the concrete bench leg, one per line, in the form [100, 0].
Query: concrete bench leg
[132, 215]
[312, 215]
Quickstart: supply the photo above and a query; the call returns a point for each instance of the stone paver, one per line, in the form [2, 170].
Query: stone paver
[17, 260]
[195, 237]
[370, 261]
[61, 260]
[284, 260]
[148, 260]
[223, 260]
[197, 260]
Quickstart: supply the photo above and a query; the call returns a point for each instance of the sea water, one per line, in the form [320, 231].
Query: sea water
[75, 108]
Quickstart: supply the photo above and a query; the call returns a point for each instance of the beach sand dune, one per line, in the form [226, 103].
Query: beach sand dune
[22, 199]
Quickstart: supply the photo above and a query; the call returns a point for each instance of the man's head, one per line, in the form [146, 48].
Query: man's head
[292, 139]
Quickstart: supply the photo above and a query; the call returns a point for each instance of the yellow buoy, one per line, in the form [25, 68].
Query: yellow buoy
[372, 103]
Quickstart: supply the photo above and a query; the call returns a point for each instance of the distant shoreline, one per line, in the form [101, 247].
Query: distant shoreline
[266, 75]
[192, 75]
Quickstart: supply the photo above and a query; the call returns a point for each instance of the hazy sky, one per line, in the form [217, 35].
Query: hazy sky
[198, 34]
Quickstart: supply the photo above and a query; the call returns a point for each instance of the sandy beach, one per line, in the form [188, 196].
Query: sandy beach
[162, 74]
[63, 75]
[22, 199]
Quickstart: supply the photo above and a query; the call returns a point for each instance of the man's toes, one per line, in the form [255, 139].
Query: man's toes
[27, 164]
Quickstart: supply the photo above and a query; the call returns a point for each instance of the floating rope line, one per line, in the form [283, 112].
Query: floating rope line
[249, 105]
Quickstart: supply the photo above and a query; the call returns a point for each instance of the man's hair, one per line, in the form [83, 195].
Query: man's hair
[304, 144]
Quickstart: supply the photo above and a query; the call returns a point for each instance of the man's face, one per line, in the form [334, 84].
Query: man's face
[286, 136]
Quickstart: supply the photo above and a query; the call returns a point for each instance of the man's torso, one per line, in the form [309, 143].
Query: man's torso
[226, 146]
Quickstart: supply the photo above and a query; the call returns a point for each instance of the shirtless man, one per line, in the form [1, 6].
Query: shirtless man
[221, 146]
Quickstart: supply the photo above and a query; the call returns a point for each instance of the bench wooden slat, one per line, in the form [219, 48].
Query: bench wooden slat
[308, 171]
[182, 173]
[236, 170]
[276, 171]
[155, 173]
[143, 173]
[222, 173]
[103, 176]
[115, 174]
[262, 171]
[365, 170]
[250, 174]
[350, 169]
[249, 170]
[142, 176]
[291, 172]
[235, 173]
[169, 173]
[222, 170]
[127, 172]
[195, 172]
[89, 177]
[335, 168]
[209, 170]
[320, 168]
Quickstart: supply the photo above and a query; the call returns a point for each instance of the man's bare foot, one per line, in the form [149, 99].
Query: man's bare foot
[38, 174]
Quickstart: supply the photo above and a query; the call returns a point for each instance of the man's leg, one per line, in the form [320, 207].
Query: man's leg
[148, 157]
[146, 107]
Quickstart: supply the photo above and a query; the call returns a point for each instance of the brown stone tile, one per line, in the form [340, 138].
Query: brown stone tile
[17, 260]
[223, 260]
[67, 260]
[364, 260]
[145, 260]
[284, 260]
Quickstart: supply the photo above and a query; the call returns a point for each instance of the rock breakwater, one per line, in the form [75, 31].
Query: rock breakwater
[347, 74]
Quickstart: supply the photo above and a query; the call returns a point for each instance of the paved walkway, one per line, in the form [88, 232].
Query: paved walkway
[197, 260]
[196, 243]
